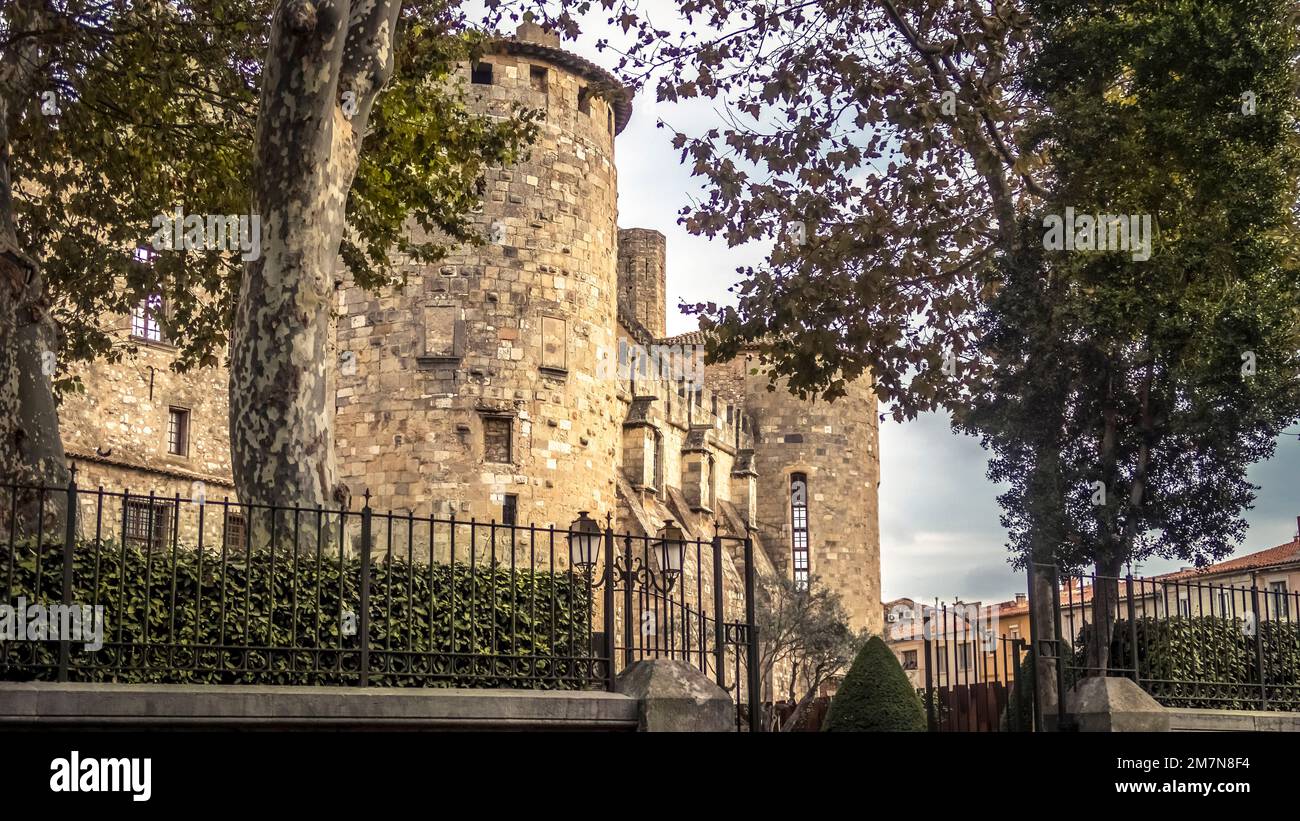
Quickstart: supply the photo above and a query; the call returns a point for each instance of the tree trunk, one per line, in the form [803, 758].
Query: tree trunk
[31, 448]
[323, 64]
[1105, 609]
[1117, 544]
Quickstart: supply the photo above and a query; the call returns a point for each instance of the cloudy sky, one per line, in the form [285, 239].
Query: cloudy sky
[939, 529]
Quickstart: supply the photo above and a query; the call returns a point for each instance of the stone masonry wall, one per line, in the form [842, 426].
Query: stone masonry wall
[511, 331]
[837, 446]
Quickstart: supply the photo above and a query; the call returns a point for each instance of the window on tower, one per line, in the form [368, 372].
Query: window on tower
[537, 78]
[799, 527]
[481, 74]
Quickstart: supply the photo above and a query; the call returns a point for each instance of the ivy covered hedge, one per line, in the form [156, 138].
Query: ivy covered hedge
[263, 620]
[1209, 661]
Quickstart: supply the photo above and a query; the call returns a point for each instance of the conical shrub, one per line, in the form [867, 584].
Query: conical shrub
[875, 696]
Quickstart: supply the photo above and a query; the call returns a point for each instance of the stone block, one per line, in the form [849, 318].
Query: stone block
[1114, 705]
[676, 697]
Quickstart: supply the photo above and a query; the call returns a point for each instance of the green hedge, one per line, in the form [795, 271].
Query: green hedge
[522, 631]
[875, 695]
[1208, 661]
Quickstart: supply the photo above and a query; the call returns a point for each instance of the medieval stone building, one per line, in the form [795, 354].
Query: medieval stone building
[529, 379]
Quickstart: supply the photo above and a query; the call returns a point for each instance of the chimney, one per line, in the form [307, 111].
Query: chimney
[1020, 598]
[530, 32]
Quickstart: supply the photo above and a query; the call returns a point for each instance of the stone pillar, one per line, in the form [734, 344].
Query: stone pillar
[675, 697]
[1107, 704]
[744, 487]
[638, 455]
[697, 468]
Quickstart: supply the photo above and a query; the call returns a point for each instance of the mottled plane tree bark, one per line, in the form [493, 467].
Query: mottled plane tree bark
[328, 61]
[31, 450]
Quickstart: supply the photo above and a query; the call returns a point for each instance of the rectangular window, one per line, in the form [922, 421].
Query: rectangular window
[584, 100]
[148, 524]
[1225, 603]
[178, 431]
[481, 74]
[144, 319]
[510, 509]
[1185, 607]
[909, 659]
[1014, 632]
[537, 78]
[497, 434]
[236, 531]
[963, 657]
[1280, 605]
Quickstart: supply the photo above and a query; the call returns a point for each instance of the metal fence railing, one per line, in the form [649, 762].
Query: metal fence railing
[107, 585]
[1188, 641]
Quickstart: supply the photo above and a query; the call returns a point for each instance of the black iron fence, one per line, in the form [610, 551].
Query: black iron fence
[105, 585]
[972, 672]
[1188, 641]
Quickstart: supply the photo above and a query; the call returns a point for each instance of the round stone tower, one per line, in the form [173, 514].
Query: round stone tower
[476, 389]
[818, 470]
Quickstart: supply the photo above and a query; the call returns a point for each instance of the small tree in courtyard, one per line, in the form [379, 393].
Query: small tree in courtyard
[875, 696]
[806, 641]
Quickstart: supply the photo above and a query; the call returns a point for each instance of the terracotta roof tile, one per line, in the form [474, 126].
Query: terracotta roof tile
[688, 338]
[1281, 554]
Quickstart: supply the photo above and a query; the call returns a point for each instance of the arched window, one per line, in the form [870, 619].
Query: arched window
[799, 527]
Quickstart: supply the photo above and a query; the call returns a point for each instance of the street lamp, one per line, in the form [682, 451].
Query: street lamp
[670, 551]
[584, 542]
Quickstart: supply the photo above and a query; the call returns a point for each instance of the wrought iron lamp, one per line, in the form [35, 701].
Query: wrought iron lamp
[670, 551]
[584, 542]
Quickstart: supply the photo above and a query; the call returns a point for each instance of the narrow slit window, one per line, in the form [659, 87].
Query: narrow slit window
[584, 100]
[799, 527]
[510, 510]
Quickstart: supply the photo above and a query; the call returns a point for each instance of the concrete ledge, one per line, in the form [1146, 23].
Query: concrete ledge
[1189, 720]
[48, 706]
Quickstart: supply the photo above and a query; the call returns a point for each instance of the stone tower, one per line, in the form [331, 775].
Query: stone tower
[827, 455]
[815, 470]
[642, 280]
[475, 388]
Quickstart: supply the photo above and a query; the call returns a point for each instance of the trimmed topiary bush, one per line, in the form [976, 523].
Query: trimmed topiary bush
[875, 695]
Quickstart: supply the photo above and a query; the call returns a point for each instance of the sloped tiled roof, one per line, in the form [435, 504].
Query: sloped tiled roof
[696, 337]
[1281, 554]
